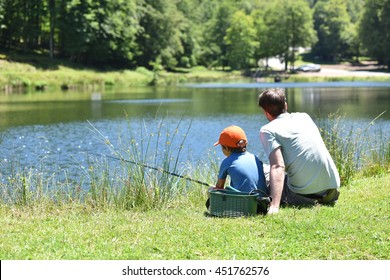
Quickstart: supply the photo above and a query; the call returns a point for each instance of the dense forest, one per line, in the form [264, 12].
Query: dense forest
[233, 34]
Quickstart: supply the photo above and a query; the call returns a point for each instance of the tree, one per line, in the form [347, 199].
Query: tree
[240, 40]
[215, 32]
[160, 39]
[300, 28]
[198, 14]
[21, 23]
[52, 14]
[268, 42]
[355, 11]
[374, 30]
[195, 13]
[288, 26]
[100, 32]
[332, 23]
[130, 33]
[312, 3]
[7, 22]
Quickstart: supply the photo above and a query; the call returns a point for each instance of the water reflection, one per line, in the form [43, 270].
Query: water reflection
[356, 103]
[149, 101]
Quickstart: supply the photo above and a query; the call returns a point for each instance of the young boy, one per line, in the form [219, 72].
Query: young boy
[245, 169]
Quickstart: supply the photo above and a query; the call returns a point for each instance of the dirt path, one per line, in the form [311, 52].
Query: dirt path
[362, 70]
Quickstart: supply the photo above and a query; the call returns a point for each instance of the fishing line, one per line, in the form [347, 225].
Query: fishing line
[156, 168]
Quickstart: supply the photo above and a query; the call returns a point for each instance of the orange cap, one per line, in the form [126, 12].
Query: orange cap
[231, 136]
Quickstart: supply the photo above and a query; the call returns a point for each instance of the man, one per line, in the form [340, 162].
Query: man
[297, 154]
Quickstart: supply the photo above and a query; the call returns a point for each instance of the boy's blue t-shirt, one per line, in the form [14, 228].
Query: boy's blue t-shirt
[245, 171]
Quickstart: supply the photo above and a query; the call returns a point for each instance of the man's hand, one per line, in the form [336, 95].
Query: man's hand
[273, 210]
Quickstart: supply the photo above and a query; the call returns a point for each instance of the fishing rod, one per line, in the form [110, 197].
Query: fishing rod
[158, 169]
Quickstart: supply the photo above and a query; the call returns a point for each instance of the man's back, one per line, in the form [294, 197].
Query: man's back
[308, 163]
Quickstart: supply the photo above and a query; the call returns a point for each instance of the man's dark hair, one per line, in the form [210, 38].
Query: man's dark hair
[272, 101]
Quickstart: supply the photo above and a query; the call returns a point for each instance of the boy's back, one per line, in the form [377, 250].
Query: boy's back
[245, 171]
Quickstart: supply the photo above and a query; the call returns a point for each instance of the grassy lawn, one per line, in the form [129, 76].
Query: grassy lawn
[21, 72]
[356, 228]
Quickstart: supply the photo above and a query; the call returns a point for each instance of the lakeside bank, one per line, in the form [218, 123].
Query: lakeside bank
[81, 232]
[32, 73]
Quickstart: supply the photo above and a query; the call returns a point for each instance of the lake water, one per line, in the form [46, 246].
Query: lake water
[62, 130]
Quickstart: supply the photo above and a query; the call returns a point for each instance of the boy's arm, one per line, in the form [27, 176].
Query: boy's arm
[220, 184]
[276, 174]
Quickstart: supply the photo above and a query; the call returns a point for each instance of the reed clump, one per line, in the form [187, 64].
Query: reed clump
[137, 172]
[356, 149]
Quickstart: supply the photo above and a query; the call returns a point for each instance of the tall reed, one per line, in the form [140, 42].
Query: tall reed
[355, 148]
[27, 186]
[133, 185]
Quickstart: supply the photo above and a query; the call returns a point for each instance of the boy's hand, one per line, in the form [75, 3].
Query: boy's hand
[215, 188]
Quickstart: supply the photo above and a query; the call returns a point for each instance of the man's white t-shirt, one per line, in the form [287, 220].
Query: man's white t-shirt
[308, 164]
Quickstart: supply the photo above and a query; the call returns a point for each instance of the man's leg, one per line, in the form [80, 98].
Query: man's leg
[291, 198]
[288, 196]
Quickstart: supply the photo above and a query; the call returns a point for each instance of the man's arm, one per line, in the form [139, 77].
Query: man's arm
[276, 177]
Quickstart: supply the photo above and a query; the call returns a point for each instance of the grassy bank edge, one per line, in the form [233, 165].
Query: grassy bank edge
[356, 228]
[33, 72]
[38, 73]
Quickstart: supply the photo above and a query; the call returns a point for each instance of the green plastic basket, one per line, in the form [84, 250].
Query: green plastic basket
[225, 203]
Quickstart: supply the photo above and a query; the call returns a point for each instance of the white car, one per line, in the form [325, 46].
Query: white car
[309, 68]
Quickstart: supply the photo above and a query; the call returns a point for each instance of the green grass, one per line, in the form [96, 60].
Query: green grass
[30, 72]
[67, 78]
[356, 228]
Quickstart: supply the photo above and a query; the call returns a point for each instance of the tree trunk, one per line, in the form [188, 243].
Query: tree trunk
[51, 19]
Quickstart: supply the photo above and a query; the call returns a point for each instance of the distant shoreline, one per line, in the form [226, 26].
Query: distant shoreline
[23, 76]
